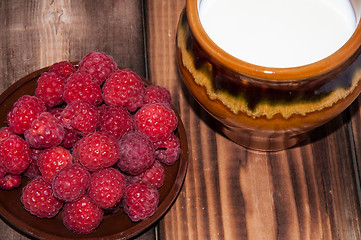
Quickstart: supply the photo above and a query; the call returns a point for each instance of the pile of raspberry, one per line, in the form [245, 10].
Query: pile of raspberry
[92, 140]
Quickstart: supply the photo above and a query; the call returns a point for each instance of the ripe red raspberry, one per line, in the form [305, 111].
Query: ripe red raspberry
[37, 198]
[52, 160]
[154, 175]
[63, 69]
[14, 154]
[115, 121]
[5, 132]
[33, 170]
[10, 181]
[106, 187]
[81, 86]
[70, 136]
[157, 94]
[81, 117]
[82, 216]
[137, 153]
[124, 88]
[45, 131]
[155, 120]
[96, 151]
[50, 89]
[24, 111]
[168, 150]
[140, 201]
[70, 139]
[71, 183]
[99, 65]
[56, 112]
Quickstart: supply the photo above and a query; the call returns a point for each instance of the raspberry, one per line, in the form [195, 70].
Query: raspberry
[5, 132]
[137, 153]
[33, 170]
[157, 94]
[70, 138]
[124, 88]
[50, 89]
[154, 175]
[71, 183]
[96, 151]
[81, 86]
[81, 117]
[63, 69]
[99, 65]
[155, 120]
[168, 151]
[45, 131]
[140, 200]
[82, 216]
[52, 160]
[56, 112]
[14, 154]
[10, 181]
[24, 111]
[106, 187]
[37, 198]
[115, 121]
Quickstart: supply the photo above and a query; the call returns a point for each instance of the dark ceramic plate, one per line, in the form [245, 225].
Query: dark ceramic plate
[114, 226]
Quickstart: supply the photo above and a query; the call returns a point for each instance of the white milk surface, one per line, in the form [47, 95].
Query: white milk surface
[278, 33]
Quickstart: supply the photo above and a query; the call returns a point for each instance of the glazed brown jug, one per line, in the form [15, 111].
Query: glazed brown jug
[266, 108]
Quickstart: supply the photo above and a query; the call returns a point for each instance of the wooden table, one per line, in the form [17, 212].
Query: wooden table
[311, 191]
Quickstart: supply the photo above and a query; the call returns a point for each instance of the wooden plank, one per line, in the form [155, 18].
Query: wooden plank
[307, 192]
[36, 34]
[19, 41]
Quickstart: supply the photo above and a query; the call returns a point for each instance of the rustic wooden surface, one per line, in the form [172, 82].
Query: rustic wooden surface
[311, 191]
